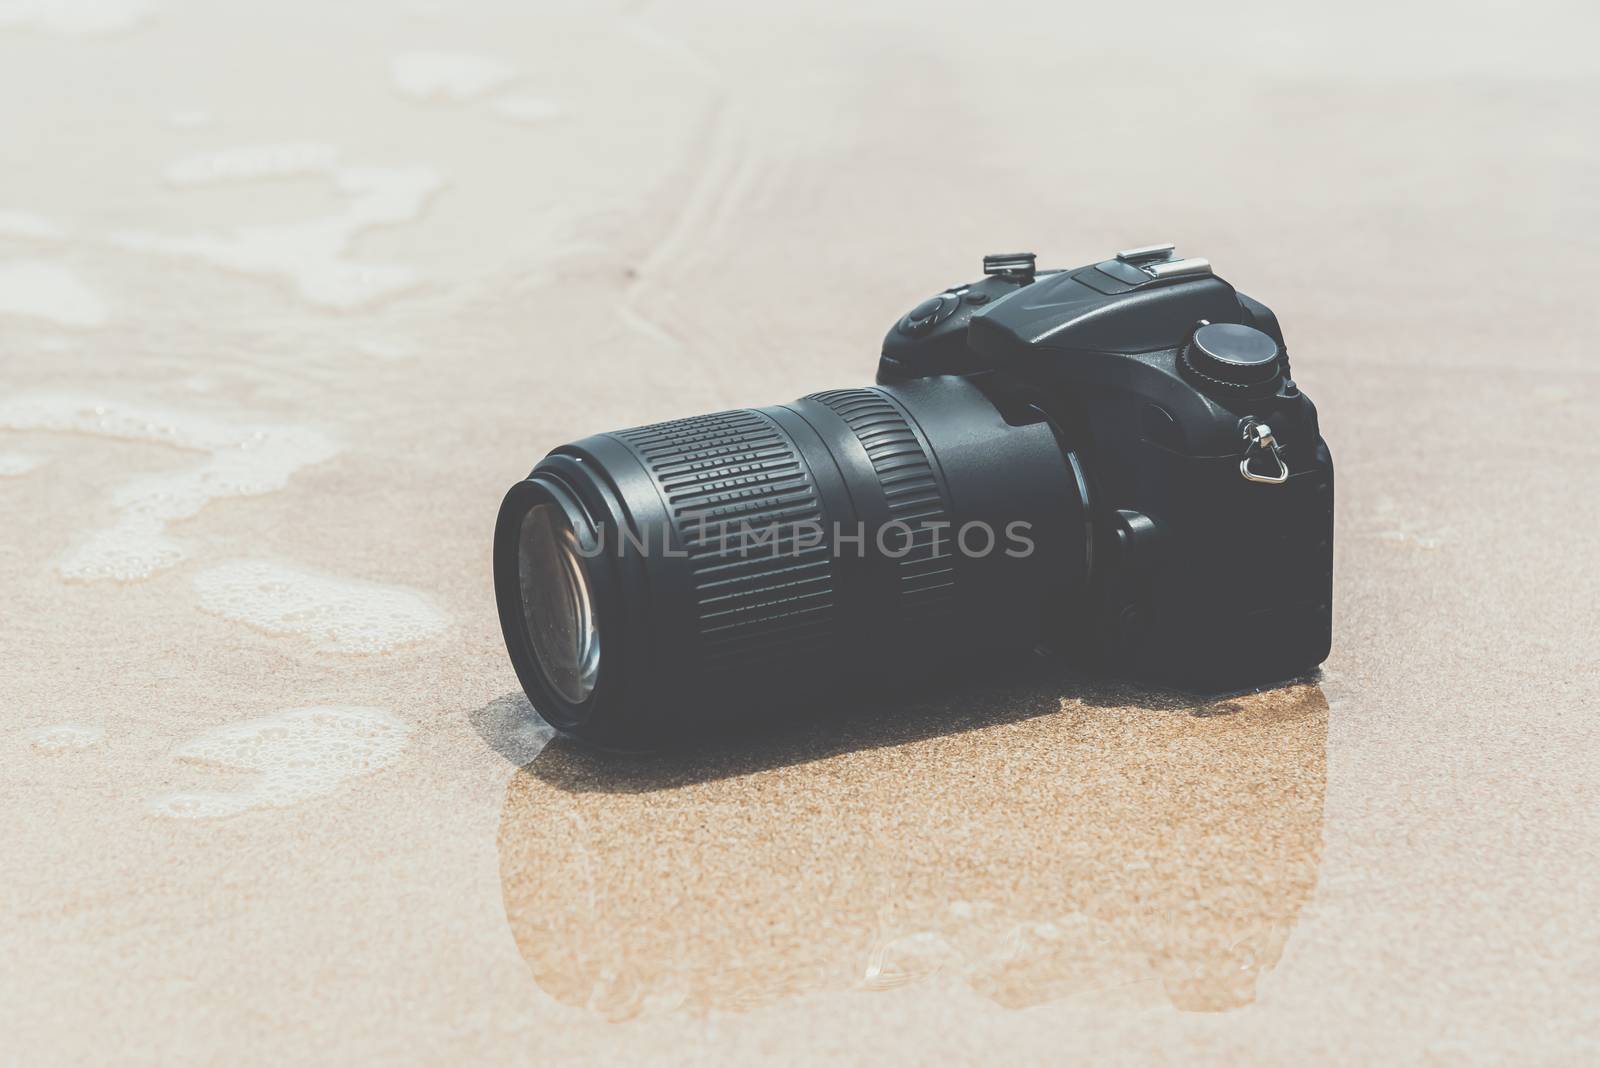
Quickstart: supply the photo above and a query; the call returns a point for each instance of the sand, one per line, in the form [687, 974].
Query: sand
[289, 295]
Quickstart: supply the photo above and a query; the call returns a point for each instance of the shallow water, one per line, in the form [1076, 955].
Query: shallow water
[289, 294]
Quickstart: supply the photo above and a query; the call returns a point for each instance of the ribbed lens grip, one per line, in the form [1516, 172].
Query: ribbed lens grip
[912, 490]
[745, 507]
[801, 555]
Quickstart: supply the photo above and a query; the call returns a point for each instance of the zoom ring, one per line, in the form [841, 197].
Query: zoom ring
[912, 489]
[742, 501]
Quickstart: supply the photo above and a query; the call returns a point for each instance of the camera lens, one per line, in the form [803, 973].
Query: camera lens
[739, 565]
[556, 604]
[553, 588]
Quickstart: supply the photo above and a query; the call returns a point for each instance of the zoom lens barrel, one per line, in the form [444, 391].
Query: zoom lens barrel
[731, 566]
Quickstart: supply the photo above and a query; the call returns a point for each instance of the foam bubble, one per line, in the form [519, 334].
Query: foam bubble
[75, 16]
[527, 108]
[447, 75]
[253, 161]
[295, 756]
[309, 254]
[908, 958]
[40, 290]
[341, 614]
[67, 737]
[27, 224]
[13, 464]
[243, 460]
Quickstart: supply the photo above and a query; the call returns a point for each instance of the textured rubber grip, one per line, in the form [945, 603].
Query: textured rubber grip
[911, 487]
[745, 508]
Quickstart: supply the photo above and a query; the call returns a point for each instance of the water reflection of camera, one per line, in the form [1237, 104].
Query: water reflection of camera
[1112, 458]
[1137, 848]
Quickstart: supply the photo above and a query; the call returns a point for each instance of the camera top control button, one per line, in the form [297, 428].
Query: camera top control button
[1233, 354]
[929, 314]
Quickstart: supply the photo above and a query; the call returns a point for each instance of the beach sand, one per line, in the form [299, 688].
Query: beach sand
[291, 293]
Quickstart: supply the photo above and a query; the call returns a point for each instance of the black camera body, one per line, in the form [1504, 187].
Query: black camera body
[1111, 461]
[1210, 487]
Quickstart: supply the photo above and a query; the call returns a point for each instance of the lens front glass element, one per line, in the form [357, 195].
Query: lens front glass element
[556, 602]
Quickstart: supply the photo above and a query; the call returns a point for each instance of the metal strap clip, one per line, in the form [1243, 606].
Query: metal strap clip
[1258, 436]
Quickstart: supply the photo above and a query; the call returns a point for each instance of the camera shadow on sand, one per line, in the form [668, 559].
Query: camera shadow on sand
[1035, 685]
[1039, 838]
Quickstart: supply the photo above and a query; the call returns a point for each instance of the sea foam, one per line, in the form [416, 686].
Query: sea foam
[310, 254]
[37, 289]
[339, 614]
[75, 16]
[295, 756]
[447, 75]
[242, 459]
[67, 737]
[13, 464]
[30, 226]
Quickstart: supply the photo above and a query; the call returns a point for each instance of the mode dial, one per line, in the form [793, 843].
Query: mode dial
[1231, 354]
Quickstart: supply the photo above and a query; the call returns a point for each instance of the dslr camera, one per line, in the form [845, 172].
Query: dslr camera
[1110, 461]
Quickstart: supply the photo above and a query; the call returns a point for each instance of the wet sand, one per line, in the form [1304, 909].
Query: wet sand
[1057, 844]
[289, 296]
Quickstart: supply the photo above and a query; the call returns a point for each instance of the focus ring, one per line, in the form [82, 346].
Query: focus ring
[744, 507]
[914, 494]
